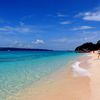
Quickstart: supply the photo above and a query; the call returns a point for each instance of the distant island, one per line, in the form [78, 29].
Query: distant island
[88, 47]
[21, 49]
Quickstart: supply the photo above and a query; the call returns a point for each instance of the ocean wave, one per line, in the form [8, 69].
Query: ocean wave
[79, 71]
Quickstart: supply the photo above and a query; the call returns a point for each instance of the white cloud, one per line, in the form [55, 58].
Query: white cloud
[90, 16]
[83, 28]
[65, 22]
[39, 41]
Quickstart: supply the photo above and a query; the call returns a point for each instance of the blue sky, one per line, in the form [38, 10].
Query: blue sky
[50, 24]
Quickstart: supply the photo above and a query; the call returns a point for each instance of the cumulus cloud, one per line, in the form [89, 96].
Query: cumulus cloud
[39, 41]
[83, 28]
[90, 16]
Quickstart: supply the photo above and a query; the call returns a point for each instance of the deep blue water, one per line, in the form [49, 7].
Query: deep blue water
[20, 69]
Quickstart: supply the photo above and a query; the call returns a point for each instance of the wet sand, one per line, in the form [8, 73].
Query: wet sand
[63, 85]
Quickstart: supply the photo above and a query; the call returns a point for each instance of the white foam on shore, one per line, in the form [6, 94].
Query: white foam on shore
[79, 71]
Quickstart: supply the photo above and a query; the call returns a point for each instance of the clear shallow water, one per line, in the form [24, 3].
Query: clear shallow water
[20, 69]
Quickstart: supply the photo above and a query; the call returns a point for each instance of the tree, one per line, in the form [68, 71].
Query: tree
[86, 47]
[98, 45]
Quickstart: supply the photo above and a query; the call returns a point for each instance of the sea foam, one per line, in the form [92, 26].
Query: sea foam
[79, 71]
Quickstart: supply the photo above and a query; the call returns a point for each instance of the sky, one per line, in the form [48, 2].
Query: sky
[49, 24]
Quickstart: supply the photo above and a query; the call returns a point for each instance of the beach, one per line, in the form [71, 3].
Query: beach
[19, 70]
[64, 85]
[49, 49]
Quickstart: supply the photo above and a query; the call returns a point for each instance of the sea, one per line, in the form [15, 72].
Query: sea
[20, 69]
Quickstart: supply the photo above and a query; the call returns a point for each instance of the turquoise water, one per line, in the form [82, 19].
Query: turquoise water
[20, 69]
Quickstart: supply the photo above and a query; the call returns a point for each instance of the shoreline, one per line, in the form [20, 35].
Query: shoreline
[61, 85]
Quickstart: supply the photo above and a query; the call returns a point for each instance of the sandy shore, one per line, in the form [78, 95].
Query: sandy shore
[65, 86]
